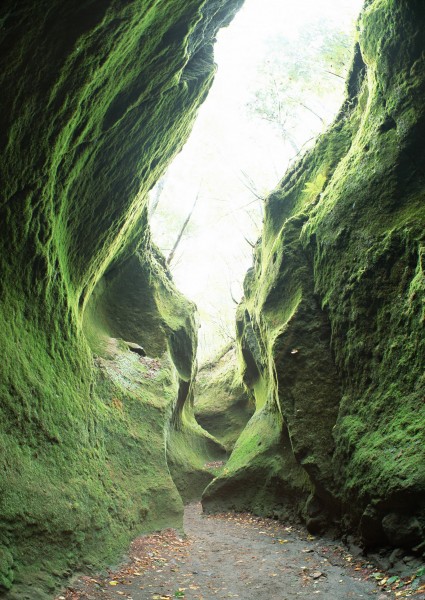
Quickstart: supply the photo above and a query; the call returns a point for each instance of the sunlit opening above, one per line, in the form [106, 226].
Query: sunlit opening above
[280, 82]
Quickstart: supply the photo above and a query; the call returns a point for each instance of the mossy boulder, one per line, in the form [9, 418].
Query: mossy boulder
[331, 330]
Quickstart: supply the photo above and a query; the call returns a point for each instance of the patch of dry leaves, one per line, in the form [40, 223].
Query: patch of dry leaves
[147, 553]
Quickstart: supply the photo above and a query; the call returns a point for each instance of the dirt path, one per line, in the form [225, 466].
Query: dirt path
[231, 556]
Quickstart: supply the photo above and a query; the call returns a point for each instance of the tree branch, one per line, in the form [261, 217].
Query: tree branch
[182, 230]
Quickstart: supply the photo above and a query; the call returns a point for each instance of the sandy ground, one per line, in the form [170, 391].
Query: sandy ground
[232, 556]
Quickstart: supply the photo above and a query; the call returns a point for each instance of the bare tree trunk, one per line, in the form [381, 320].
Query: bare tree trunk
[181, 233]
[288, 137]
[157, 191]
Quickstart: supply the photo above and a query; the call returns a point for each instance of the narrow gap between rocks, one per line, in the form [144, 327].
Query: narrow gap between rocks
[280, 81]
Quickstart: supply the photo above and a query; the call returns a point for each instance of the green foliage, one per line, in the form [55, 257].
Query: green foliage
[312, 189]
[300, 80]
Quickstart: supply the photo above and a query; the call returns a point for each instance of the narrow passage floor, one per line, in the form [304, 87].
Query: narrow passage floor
[231, 556]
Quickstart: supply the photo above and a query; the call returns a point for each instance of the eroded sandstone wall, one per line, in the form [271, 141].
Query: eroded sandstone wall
[222, 405]
[331, 330]
[97, 98]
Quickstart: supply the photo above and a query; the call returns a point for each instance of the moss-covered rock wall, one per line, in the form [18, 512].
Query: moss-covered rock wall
[97, 98]
[222, 404]
[331, 331]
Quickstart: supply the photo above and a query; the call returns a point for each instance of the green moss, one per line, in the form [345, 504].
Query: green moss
[6, 570]
[97, 100]
[189, 449]
[261, 474]
[91, 506]
[97, 477]
[331, 328]
[222, 405]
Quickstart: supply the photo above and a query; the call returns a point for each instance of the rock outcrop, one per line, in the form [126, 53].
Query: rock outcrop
[97, 98]
[331, 330]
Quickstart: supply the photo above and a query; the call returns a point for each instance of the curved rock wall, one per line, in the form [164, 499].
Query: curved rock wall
[97, 98]
[331, 331]
[222, 405]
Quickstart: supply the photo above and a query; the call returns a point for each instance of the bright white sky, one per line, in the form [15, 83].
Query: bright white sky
[227, 142]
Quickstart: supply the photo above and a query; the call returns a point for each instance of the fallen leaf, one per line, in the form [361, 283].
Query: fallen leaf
[113, 582]
[317, 574]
